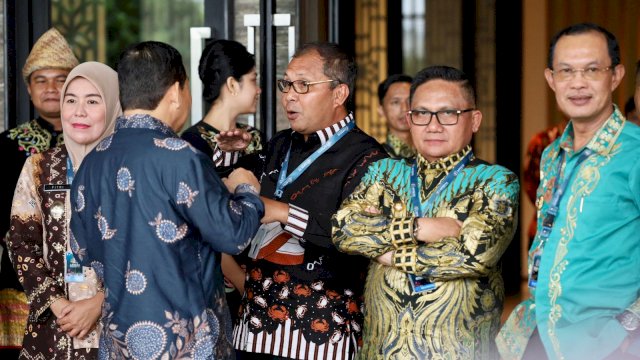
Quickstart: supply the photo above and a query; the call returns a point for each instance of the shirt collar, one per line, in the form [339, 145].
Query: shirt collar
[446, 163]
[325, 134]
[603, 140]
[399, 147]
[47, 125]
[143, 121]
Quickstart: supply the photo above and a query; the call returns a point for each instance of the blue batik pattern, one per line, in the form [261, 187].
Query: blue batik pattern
[98, 268]
[125, 181]
[185, 194]
[103, 226]
[167, 230]
[143, 121]
[135, 281]
[160, 264]
[105, 143]
[80, 199]
[171, 144]
[145, 340]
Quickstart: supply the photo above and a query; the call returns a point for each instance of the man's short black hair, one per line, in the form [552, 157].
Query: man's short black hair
[146, 71]
[338, 64]
[446, 73]
[386, 84]
[582, 28]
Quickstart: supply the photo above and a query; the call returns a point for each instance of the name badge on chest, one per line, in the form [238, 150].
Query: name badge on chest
[72, 269]
[57, 187]
[421, 284]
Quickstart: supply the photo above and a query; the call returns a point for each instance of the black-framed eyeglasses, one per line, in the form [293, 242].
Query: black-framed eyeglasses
[444, 117]
[299, 86]
[592, 73]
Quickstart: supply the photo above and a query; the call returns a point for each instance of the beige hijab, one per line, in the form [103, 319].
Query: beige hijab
[105, 79]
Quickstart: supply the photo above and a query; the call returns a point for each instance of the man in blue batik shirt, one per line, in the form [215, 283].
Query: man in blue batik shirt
[583, 263]
[151, 216]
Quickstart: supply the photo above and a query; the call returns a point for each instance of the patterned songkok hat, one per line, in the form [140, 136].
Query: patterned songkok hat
[50, 51]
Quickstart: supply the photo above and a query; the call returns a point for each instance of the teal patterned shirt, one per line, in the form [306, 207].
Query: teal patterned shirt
[589, 271]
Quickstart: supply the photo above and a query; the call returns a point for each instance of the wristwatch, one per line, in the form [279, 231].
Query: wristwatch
[630, 322]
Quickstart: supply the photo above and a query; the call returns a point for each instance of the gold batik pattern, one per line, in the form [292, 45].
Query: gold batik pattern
[460, 319]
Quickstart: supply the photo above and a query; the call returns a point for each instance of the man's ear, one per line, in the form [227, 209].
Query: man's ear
[381, 112]
[173, 94]
[548, 75]
[618, 74]
[476, 120]
[340, 94]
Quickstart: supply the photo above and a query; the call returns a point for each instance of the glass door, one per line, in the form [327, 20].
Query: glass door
[99, 30]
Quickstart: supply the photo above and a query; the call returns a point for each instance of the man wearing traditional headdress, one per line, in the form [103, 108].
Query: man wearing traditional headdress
[44, 73]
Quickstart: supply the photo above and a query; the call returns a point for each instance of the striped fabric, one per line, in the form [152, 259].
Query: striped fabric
[291, 343]
[225, 158]
[297, 220]
[14, 311]
[329, 131]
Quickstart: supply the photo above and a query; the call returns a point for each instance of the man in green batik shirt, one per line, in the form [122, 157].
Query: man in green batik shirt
[584, 261]
[393, 97]
[434, 289]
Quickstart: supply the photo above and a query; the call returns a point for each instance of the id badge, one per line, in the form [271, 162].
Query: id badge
[535, 268]
[421, 284]
[72, 269]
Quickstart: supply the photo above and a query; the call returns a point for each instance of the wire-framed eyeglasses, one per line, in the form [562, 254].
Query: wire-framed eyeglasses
[299, 86]
[446, 117]
[592, 73]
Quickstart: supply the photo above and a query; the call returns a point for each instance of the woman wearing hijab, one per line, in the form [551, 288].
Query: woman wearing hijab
[229, 80]
[64, 298]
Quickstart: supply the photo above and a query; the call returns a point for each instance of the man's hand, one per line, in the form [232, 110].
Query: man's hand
[80, 317]
[274, 211]
[241, 176]
[433, 229]
[386, 258]
[233, 272]
[233, 140]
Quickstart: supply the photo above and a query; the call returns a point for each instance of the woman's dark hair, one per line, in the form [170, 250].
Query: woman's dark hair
[220, 60]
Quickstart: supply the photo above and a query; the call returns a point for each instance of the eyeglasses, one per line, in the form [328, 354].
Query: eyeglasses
[299, 86]
[591, 73]
[444, 117]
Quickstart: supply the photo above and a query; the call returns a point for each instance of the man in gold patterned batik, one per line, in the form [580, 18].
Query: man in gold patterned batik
[434, 290]
[44, 73]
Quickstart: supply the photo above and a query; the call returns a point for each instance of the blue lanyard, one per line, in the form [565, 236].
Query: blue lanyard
[558, 190]
[420, 208]
[70, 173]
[284, 180]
